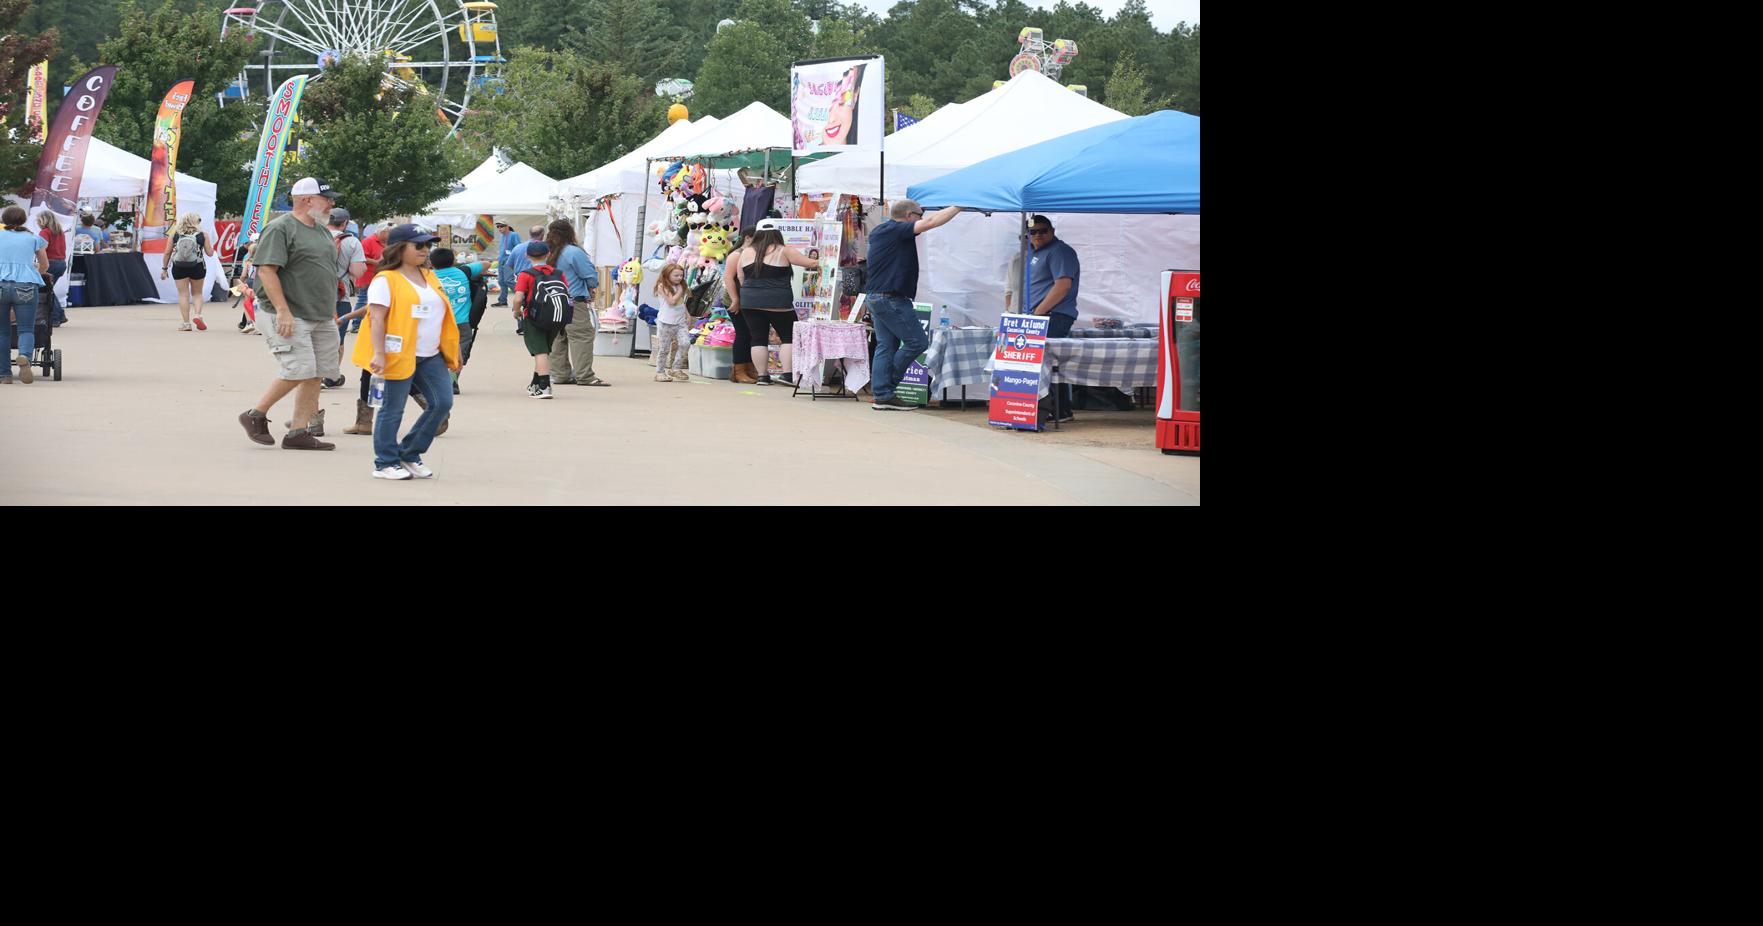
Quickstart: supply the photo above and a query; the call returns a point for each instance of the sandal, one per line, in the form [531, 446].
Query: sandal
[199, 324]
[185, 327]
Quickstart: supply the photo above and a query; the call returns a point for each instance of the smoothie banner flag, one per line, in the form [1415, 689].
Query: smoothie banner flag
[64, 155]
[162, 190]
[276, 126]
[837, 104]
[36, 100]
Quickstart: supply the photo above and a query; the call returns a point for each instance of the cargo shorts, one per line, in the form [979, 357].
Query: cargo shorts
[310, 354]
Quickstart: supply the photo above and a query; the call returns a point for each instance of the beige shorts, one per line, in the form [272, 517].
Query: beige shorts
[310, 354]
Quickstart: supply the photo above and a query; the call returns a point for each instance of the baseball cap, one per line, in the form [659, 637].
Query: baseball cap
[339, 214]
[407, 232]
[312, 186]
[766, 225]
[503, 225]
[537, 249]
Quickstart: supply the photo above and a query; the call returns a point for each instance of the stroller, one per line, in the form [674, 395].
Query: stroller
[45, 355]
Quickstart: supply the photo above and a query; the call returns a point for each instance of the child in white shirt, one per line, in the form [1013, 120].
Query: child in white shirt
[671, 324]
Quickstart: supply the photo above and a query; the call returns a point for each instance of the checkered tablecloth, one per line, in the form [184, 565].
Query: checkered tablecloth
[1140, 332]
[818, 341]
[959, 356]
[1125, 363]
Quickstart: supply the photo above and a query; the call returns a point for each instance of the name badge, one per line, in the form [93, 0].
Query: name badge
[394, 344]
[421, 310]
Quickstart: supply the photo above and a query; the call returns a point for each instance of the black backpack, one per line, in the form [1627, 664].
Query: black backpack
[480, 299]
[550, 306]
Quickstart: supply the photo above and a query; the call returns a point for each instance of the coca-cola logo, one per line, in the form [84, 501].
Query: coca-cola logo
[229, 240]
[1194, 285]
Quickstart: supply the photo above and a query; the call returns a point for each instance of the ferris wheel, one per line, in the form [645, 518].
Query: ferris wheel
[445, 50]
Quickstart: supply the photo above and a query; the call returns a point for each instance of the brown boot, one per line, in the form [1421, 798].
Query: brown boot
[256, 427]
[303, 440]
[363, 419]
[317, 424]
[444, 423]
[744, 373]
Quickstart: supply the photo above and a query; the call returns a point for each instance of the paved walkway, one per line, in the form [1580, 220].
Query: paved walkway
[147, 415]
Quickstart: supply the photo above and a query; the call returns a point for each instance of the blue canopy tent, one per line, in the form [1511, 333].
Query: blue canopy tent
[1144, 166]
[1148, 165]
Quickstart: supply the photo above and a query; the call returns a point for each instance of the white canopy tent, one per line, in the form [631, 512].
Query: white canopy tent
[754, 127]
[112, 173]
[609, 229]
[516, 195]
[489, 170]
[965, 264]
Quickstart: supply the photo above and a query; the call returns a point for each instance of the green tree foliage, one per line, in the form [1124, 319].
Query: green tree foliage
[154, 50]
[18, 52]
[744, 63]
[1128, 92]
[631, 37]
[564, 114]
[82, 26]
[382, 147]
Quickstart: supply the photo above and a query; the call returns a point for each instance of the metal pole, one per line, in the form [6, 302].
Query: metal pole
[643, 210]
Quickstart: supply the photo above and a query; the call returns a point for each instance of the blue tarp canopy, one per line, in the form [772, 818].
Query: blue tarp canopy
[1146, 165]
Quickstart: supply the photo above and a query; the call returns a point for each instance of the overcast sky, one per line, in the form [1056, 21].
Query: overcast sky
[1164, 13]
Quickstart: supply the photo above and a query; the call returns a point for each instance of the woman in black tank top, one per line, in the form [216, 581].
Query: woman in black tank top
[764, 299]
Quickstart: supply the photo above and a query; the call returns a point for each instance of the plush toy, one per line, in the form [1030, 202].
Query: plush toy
[630, 273]
[713, 243]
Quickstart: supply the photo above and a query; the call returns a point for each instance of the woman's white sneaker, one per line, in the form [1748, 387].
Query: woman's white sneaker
[418, 470]
[394, 471]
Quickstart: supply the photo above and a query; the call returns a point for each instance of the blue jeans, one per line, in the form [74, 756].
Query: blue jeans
[436, 385]
[21, 300]
[899, 339]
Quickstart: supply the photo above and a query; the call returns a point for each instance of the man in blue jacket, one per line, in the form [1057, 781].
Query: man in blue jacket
[511, 261]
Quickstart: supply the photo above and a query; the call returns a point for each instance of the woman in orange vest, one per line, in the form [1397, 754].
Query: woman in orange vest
[413, 342]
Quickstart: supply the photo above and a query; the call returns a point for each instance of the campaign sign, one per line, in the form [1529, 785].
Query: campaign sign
[1022, 341]
[915, 385]
[1016, 371]
[1016, 400]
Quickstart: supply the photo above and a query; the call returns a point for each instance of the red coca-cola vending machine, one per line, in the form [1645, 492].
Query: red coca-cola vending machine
[1178, 367]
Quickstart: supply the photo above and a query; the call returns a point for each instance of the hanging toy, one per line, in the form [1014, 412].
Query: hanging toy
[713, 243]
[630, 273]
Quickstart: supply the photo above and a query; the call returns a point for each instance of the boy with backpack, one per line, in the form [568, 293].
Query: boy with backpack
[459, 282]
[541, 299]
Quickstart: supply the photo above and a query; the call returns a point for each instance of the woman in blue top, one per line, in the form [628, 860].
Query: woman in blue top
[572, 356]
[23, 262]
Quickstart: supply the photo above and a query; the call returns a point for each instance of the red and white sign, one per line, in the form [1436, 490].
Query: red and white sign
[227, 248]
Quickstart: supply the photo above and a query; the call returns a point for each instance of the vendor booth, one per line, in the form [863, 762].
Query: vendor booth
[1145, 167]
[121, 274]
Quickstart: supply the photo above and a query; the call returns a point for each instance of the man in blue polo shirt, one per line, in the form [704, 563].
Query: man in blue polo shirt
[1053, 276]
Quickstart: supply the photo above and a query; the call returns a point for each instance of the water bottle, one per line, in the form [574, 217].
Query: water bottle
[376, 392]
[943, 324]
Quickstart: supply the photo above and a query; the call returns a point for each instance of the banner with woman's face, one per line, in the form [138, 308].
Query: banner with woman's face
[837, 105]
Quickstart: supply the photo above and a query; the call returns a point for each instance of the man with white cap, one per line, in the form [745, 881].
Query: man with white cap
[296, 311]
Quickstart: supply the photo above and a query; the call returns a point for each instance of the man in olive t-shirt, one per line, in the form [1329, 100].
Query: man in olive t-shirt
[296, 287]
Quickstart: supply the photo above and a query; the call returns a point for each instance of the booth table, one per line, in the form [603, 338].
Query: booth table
[113, 279]
[817, 341]
[959, 357]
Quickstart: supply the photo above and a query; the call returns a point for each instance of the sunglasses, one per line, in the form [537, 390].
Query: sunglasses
[1040, 231]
